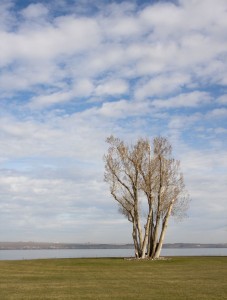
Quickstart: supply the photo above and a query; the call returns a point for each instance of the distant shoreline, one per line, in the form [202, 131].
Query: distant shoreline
[37, 245]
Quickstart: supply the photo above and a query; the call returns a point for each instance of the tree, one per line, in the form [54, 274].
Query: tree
[146, 179]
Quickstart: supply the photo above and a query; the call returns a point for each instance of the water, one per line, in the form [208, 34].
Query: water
[81, 253]
[63, 253]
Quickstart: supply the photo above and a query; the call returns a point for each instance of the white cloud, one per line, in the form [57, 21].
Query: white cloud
[83, 87]
[220, 130]
[123, 109]
[182, 122]
[161, 85]
[193, 99]
[217, 113]
[35, 10]
[6, 18]
[162, 16]
[29, 76]
[52, 204]
[66, 36]
[170, 20]
[222, 99]
[194, 51]
[122, 27]
[50, 99]
[112, 87]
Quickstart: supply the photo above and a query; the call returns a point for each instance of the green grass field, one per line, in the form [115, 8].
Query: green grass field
[110, 278]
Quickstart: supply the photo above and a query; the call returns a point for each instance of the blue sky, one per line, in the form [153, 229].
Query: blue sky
[74, 72]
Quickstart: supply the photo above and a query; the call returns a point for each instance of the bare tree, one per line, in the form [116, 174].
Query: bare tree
[140, 173]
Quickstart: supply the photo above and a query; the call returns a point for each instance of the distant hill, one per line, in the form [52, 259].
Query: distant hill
[194, 245]
[35, 246]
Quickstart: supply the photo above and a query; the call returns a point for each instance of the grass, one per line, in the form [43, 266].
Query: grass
[114, 278]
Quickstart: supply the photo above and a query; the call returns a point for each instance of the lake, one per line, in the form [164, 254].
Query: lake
[82, 253]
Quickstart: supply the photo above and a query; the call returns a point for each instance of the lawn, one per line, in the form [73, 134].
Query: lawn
[114, 278]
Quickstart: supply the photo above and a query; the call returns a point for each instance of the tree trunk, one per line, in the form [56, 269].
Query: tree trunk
[163, 232]
[135, 240]
[139, 230]
[149, 245]
[147, 227]
[155, 236]
[158, 217]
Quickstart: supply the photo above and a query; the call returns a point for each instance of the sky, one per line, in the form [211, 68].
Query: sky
[74, 72]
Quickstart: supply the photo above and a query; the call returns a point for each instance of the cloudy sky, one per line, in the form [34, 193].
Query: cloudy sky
[72, 73]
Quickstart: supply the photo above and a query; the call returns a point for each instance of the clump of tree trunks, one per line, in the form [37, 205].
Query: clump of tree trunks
[147, 184]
